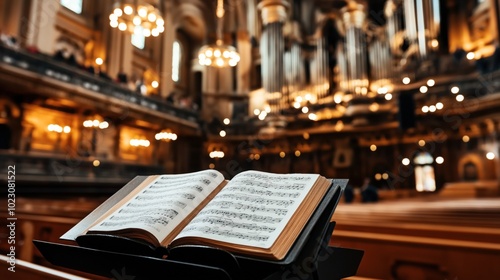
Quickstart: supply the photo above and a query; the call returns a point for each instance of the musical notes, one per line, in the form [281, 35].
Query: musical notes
[163, 204]
[252, 209]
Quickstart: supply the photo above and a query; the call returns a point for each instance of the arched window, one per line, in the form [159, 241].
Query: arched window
[73, 5]
[137, 38]
[176, 61]
[425, 180]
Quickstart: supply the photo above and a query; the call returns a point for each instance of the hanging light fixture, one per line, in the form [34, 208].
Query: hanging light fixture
[218, 54]
[137, 18]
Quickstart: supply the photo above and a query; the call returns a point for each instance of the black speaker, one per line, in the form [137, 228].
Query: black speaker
[406, 112]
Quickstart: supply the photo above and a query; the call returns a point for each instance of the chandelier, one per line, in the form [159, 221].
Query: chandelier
[218, 54]
[137, 18]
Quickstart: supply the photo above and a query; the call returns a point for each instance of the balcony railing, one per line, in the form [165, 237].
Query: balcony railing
[48, 67]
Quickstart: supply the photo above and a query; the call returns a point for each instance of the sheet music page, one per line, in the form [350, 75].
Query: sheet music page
[252, 209]
[163, 204]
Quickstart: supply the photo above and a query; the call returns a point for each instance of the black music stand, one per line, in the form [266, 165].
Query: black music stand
[311, 258]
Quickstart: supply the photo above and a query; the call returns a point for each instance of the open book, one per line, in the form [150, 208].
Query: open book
[256, 214]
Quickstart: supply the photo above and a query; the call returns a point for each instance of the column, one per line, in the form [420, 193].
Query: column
[168, 37]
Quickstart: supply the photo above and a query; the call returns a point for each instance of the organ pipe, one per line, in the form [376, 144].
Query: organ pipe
[274, 14]
[422, 20]
[356, 75]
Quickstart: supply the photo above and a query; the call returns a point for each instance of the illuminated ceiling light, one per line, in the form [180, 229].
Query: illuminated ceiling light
[166, 135]
[421, 143]
[434, 43]
[305, 110]
[423, 89]
[432, 108]
[455, 90]
[155, 84]
[96, 163]
[226, 121]
[388, 96]
[405, 161]
[282, 154]
[256, 112]
[439, 160]
[373, 147]
[211, 166]
[297, 153]
[470, 55]
[225, 55]
[431, 82]
[460, 98]
[313, 117]
[378, 176]
[296, 105]
[267, 109]
[465, 138]
[128, 16]
[337, 98]
[222, 133]
[67, 129]
[406, 80]
[256, 157]
[385, 176]
[298, 99]
[305, 135]
[490, 156]
[262, 115]
[439, 106]
[425, 109]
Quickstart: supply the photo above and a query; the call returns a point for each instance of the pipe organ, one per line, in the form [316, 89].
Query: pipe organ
[355, 71]
[422, 24]
[272, 47]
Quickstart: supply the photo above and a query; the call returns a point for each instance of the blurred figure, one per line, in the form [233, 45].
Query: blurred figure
[369, 192]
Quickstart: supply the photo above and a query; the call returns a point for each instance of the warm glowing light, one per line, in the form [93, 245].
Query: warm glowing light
[460, 98]
[147, 17]
[139, 142]
[67, 129]
[490, 156]
[99, 61]
[262, 115]
[471, 55]
[222, 133]
[226, 121]
[439, 160]
[256, 112]
[406, 80]
[155, 84]
[373, 147]
[405, 161]
[465, 138]
[439, 106]
[431, 82]
[385, 176]
[421, 143]
[432, 108]
[256, 157]
[374, 107]
[378, 176]
[216, 154]
[96, 163]
[455, 90]
[425, 109]
[296, 105]
[388, 96]
[305, 110]
[297, 153]
[128, 10]
[282, 154]
[305, 135]
[434, 43]
[313, 117]
[211, 166]
[166, 136]
[423, 89]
